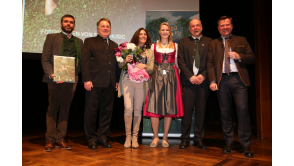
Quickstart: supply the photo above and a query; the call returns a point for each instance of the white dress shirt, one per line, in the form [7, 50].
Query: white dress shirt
[233, 67]
[67, 34]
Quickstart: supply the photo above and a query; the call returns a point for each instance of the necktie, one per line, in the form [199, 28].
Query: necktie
[68, 36]
[107, 41]
[197, 55]
[227, 57]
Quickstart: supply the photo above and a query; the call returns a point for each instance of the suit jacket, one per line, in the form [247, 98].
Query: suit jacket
[216, 57]
[186, 57]
[98, 62]
[52, 46]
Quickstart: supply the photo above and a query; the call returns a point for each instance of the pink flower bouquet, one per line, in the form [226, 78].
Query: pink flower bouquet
[137, 75]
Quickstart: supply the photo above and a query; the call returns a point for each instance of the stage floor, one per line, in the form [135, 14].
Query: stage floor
[33, 151]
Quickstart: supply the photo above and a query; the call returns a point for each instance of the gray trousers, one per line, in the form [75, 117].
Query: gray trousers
[232, 88]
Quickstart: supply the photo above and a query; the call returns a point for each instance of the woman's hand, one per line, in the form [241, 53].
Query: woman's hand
[128, 59]
[141, 66]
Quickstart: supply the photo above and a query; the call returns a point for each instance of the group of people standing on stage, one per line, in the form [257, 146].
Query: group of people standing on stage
[205, 64]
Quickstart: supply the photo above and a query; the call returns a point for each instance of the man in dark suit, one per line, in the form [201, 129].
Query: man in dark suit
[228, 76]
[60, 93]
[100, 74]
[192, 58]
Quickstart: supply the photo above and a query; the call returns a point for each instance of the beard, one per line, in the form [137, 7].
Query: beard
[66, 31]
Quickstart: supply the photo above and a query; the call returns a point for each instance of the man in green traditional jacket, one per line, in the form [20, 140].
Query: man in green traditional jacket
[60, 94]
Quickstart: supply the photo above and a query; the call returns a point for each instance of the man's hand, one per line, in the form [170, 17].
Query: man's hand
[193, 79]
[213, 86]
[88, 85]
[58, 82]
[116, 86]
[52, 76]
[234, 55]
[200, 79]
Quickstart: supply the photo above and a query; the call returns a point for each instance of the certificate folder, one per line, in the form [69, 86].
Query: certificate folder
[64, 69]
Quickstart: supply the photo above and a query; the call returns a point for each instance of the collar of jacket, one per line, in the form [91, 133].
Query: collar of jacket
[102, 37]
[192, 39]
[230, 37]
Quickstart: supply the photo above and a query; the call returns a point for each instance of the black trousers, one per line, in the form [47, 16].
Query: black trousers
[232, 87]
[60, 97]
[194, 96]
[103, 98]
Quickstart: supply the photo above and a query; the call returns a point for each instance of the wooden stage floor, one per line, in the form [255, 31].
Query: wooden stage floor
[33, 152]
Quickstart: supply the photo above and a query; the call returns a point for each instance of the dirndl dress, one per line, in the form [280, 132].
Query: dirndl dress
[164, 97]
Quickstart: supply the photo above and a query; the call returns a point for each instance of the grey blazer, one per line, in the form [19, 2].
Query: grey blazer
[52, 46]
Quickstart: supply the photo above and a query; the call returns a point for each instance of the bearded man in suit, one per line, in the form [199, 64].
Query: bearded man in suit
[228, 76]
[60, 94]
[100, 74]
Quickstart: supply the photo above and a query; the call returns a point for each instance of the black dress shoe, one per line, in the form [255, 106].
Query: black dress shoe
[105, 144]
[92, 145]
[228, 149]
[247, 152]
[200, 144]
[183, 144]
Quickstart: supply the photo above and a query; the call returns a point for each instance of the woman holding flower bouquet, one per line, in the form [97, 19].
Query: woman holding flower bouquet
[164, 97]
[133, 83]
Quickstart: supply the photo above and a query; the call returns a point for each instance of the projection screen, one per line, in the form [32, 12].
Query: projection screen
[42, 17]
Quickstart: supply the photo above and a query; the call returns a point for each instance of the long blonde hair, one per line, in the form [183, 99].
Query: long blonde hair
[170, 41]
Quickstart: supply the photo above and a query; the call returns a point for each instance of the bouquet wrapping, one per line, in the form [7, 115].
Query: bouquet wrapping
[137, 75]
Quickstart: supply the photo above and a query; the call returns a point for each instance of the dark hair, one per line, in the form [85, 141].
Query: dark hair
[67, 15]
[103, 19]
[223, 18]
[135, 38]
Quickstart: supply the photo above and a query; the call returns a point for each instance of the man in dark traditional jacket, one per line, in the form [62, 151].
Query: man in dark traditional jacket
[100, 74]
[192, 58]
